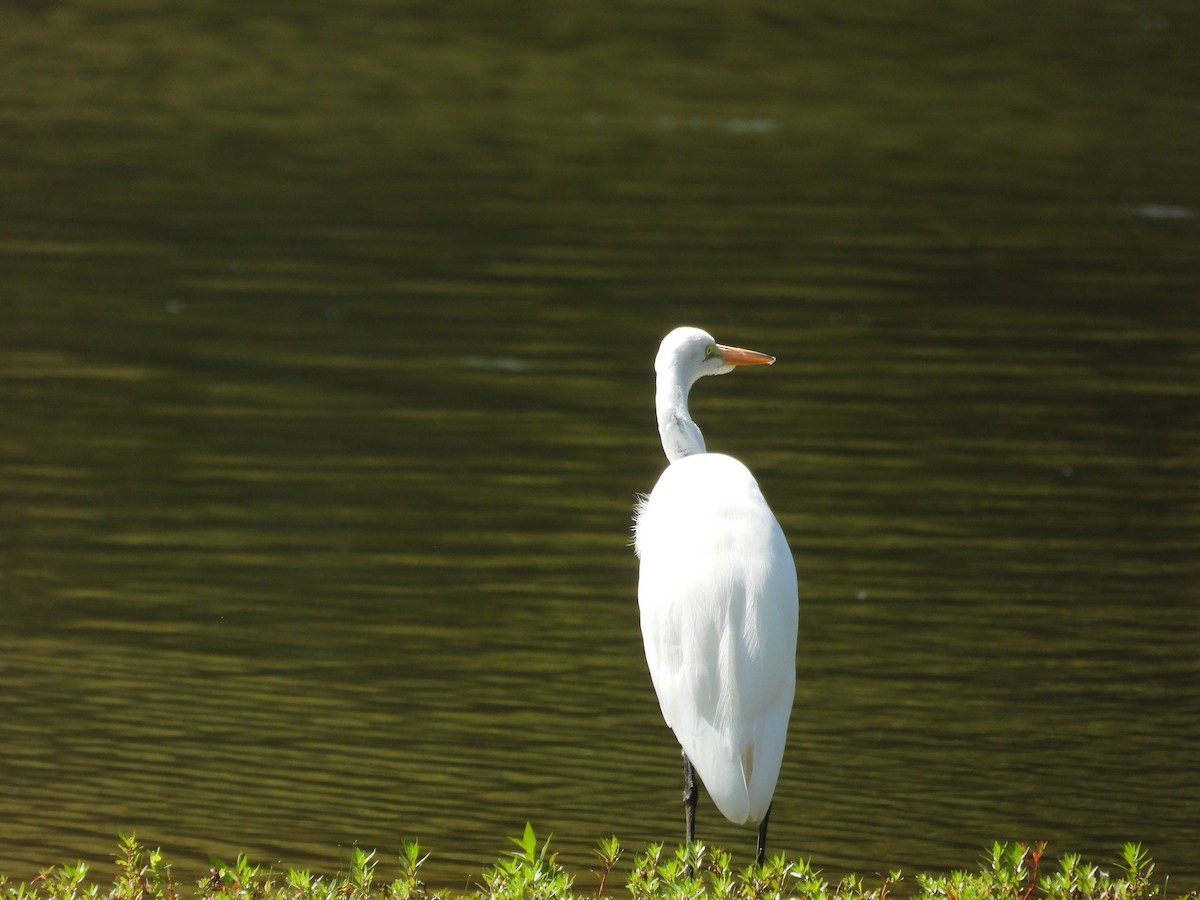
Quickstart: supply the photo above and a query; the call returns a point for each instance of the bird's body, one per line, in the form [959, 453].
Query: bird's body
[714, 558]
[717, 593]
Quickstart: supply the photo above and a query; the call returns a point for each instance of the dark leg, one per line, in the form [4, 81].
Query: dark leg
[689, 806]
[689, 801]
[761, 855]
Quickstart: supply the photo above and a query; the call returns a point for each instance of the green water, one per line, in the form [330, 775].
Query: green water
[325, 349]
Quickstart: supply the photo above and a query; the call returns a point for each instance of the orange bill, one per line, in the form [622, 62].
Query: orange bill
[736, 356]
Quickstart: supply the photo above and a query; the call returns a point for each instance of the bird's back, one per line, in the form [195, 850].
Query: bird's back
[717, 592]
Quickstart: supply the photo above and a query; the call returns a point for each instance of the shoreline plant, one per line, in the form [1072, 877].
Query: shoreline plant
[1011, 871]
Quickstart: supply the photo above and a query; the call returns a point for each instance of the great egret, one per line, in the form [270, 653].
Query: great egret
[717, 592]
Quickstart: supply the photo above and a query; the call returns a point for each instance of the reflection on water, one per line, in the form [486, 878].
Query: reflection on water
[326, 369]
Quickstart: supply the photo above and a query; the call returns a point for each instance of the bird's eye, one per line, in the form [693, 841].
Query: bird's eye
[710, 351]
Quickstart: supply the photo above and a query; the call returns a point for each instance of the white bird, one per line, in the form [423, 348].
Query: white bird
[718, 600]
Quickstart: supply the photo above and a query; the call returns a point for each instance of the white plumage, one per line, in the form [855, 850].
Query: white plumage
[717, 592]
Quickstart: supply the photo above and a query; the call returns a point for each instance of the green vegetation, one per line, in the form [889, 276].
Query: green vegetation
[1006, 872]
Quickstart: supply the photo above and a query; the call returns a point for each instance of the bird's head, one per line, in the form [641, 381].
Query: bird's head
[694, 353]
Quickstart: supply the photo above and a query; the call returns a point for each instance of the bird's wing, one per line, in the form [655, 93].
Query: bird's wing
[717, 593]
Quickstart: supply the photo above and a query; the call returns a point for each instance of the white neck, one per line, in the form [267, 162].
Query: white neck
[680, 435]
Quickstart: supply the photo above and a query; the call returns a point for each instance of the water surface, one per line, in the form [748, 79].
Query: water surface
[326, 380]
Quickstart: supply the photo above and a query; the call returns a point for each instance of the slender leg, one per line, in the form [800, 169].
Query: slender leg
[689, 801]
[761, 854]
[689, 807]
